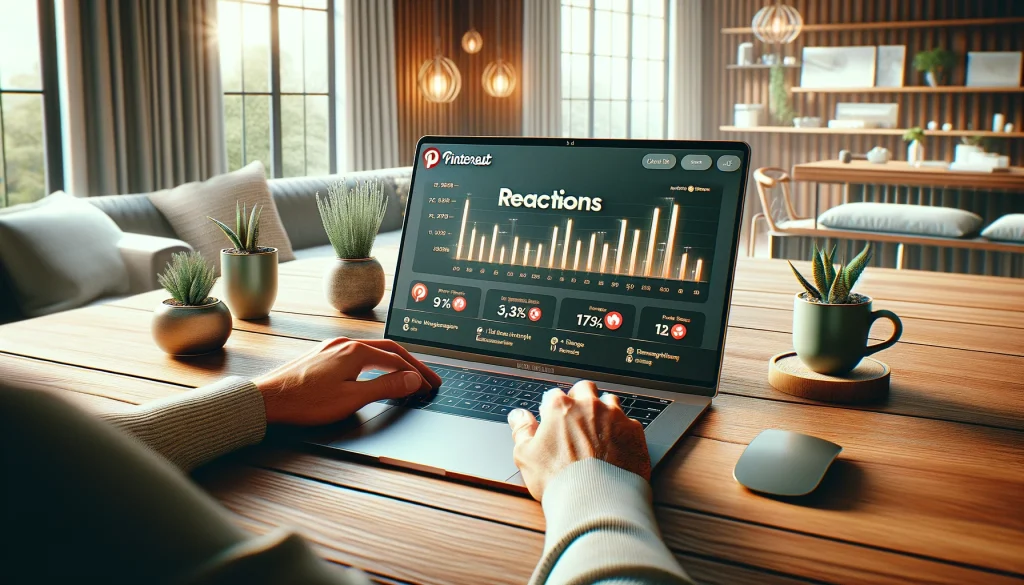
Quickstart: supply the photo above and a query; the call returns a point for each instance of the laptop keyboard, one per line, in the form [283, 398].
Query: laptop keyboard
[491, 396]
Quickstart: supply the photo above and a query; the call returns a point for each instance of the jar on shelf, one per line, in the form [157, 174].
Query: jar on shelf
[747, 115]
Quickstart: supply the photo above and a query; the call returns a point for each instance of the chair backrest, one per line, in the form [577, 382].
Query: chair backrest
[773, 189]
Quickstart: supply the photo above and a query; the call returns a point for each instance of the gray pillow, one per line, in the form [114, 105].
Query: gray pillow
[61, 253]
[898, 218]
[1009, 228]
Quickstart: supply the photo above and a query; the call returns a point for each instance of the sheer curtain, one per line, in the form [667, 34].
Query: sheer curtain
[687, 110]
[542, 68]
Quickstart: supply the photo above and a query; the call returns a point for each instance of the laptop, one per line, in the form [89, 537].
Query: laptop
[531, 263]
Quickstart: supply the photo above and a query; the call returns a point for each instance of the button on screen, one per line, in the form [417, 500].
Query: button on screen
[696, 162]
[728, 162]
[659, 161]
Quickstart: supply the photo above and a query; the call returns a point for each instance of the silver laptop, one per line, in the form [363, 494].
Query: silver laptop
[531, 263]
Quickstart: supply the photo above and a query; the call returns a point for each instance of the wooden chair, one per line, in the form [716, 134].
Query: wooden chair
[782, 220]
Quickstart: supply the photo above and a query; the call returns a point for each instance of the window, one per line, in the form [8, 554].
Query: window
[615, 68]
[28, 108]
[277, 62]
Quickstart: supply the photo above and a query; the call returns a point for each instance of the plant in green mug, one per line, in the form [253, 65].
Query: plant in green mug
[832, 286]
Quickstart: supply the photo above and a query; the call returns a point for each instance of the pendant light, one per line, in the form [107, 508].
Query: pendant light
[439, 79]
[499, 77]
[777, 24]
[472, 42]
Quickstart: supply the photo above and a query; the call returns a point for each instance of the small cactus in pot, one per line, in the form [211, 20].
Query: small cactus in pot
[249, 270]
[831, 286]
[191, 322]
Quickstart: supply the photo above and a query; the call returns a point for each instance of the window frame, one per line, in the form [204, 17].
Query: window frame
[276, 169]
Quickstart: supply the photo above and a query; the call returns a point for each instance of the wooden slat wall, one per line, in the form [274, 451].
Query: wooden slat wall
[473, 112]
[723, 88]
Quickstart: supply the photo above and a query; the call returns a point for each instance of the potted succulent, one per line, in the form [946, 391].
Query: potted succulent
[191, 322]
[935, 63]
[351, 218]
[831, 323]
[248, 270]
[915, 150]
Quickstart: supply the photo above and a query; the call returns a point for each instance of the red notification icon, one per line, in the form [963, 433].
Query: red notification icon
[534, 314]
[459, 304]
[419, 291]
[678, 331]
[612, 320]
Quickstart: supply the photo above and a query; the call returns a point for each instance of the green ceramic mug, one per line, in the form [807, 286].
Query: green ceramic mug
[832, 339]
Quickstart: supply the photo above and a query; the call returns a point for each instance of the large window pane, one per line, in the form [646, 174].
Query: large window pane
[580, 118]
[233, 131]
[293, 140]
[23, 147]
[256, 47]
[580, 70]
[580, 30]
[318, 148]
[315, 35]
[602, 32]
[290, 31]
[602, 119]
[229, 15]
[602, 80]
[19, 45]
[257, 129]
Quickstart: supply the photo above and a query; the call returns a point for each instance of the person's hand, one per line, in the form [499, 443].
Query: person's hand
[320, 387]
[576, 426]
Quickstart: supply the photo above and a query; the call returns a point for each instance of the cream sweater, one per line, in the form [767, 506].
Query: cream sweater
[600, 521]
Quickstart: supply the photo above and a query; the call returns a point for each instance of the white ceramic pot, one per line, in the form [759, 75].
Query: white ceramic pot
[915, 152]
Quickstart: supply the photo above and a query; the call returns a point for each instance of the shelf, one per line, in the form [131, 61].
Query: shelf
[760, 66]
[867, 131]
[910, 89]
[745, 30]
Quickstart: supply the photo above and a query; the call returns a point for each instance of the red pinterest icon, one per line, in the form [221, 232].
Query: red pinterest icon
[459, 304]
[534, 314]
[678, 331]
[613, 320]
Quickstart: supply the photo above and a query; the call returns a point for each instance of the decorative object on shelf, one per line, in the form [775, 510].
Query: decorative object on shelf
[191, 322]
[933, 125]
[993, 69]
[439, 79]
[998, 121]
[845, 156]
[779, 104]
[777, 24]
[747, 115]
[892, 60]
[472, 42]
[830, 322]
[745, 54]
[1008, 127]
[873, 115]
[970, 156]
[789, 60]
[838, 67]
[499, 77]
[769, 59]
[947, 126]
[935, 64]
[879, 155]
[807, 122]
[351, 218]
[915, 150]
[249, 270]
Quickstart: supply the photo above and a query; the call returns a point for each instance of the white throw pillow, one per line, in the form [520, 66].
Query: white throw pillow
[899, 218]
[1009, 228]
[61, 253]
[186, 207]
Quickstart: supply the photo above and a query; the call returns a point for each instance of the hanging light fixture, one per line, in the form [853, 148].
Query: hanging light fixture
[777, 24]
[472, 42]
[499, 77]
[439, 79]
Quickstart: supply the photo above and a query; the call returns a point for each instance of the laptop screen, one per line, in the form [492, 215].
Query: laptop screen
[609, 256]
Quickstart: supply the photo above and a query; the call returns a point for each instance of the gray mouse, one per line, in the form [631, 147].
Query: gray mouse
[785, 463]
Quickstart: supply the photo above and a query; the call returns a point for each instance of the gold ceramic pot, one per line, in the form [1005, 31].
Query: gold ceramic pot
[191, 330]
[352, 285]
[249, 282]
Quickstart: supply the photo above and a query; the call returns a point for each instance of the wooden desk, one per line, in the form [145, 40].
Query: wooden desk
[929, 487]
[901, 173]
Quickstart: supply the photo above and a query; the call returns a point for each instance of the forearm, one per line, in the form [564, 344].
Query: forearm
[199, 425]
[601, 529]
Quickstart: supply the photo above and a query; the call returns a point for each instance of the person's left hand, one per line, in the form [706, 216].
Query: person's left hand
[320, 387]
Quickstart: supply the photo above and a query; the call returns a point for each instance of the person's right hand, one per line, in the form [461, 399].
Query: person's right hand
[576, 426]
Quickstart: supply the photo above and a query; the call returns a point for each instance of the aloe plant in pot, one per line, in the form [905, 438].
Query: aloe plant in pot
[351, 218]
[249, 271]
[830, 322]
[191, 322]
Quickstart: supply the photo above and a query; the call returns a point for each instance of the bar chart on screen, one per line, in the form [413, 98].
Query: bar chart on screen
[662, 247]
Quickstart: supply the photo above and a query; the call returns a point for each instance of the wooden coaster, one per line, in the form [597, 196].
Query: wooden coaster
[868, 382]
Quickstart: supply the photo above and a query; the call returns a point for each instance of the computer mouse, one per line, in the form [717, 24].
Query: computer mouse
[785, 463]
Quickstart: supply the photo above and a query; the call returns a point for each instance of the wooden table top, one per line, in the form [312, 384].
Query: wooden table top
[929, 486]
[902, 173]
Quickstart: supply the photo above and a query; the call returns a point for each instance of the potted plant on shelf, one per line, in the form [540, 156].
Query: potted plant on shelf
[248, 270]
[915, 150]
[191, 322]
[831, 323]
[351, 218]
[935, 64]
[779, 104]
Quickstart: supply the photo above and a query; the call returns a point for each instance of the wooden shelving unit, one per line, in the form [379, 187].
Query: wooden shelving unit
[867, 131]
[909, 89]
[760, 66]
[905, 24]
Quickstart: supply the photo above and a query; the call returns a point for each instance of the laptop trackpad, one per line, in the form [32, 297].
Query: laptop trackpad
[425, 439]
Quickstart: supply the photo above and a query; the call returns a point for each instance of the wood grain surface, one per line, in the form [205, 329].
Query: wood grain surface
[929, 487]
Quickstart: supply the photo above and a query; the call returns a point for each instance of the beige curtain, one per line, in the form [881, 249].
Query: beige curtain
[686, 110]
[153, 113]
[368, 95]
[542, 68]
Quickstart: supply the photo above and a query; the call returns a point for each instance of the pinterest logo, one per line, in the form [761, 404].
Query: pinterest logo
[431, 157]
[419, 291]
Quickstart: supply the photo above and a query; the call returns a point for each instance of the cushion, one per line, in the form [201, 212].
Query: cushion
[1009, 228]
[60, 253]
[898, 218]
[186, 207]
